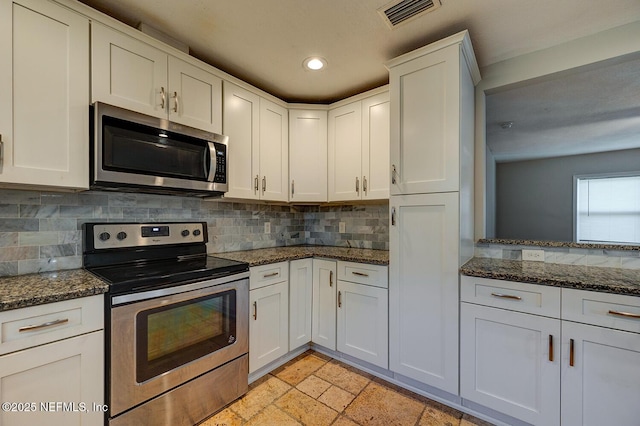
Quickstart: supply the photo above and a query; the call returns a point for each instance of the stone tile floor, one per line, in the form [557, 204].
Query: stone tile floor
[314, 389]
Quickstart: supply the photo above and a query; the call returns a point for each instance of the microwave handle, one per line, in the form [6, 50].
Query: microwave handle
[211, 173]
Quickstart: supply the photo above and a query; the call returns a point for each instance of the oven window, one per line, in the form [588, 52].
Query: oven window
[173, 335]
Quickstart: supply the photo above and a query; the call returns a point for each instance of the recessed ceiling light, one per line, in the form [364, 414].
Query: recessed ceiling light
[506, 125]
[315, 63]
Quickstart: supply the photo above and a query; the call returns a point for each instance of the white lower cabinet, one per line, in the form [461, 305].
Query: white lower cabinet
[300, 302]
[600, 366]
[269, 322]
[363, 322]
[323, 330]
[510, 362]
[576, 365]
[57, 375]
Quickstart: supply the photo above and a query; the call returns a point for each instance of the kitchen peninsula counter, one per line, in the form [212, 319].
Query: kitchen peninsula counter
[22, 291]
[280, 254]
[581, 277]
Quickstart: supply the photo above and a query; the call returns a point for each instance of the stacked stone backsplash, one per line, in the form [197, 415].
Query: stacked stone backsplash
[41, 231]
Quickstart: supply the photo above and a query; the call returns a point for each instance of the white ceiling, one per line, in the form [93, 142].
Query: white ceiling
[586, 111]
[264, 42]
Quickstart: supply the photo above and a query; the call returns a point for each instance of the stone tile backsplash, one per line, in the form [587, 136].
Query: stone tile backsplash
[41, 231]
[606, 258]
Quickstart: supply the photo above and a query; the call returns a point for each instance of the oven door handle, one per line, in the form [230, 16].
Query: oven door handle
[151, 294]
[211, 153]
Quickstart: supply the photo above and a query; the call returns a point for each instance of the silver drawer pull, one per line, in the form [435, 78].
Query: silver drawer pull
[624, 314]
[43, 325]
[360, 274]
[273, 274]
[506, 296]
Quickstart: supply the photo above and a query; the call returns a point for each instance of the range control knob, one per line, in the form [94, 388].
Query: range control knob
[104, 236]
[185, 233]
[121, 235]
[196, 232]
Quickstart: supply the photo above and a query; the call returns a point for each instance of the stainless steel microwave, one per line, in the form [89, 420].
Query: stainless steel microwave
[136, 152]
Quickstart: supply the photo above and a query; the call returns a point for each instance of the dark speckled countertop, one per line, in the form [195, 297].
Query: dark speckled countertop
[582, 277]
[37, 289]
[279, 254]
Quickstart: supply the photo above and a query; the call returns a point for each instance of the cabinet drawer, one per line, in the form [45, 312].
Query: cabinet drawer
[362, 273]
[604, 309]
[268, 274]
[529, 298]
[37, 325]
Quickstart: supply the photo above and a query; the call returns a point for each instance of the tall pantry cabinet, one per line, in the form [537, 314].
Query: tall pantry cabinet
[431, 206]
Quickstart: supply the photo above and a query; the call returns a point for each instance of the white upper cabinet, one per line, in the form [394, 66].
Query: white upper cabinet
[359, 150]
[308, 155]
[258, 145]
[375, 147]
[131, 74]
[44, 80]
[431, 116]
[274, 152]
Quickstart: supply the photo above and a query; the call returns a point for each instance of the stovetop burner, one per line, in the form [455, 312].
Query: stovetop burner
[133, 257]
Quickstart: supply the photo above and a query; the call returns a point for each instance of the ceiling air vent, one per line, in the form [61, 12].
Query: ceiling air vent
[399, 12]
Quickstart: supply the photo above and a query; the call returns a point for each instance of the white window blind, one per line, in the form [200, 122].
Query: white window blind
[608, 209]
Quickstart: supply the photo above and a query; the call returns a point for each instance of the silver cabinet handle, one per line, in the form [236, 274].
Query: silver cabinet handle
[551, 348]
[393, 216]
[293, 182]
[339, 299]
[357, 185]
[256, 182]
[624, 314]
[163, 97]
[1, 152]
[273, 274]
[360, 274]
[264, 184]
[175, 106]
[394, 173]
[255, 311]
[330, 278]
[43, 325]
[364, 185]
[506, 296]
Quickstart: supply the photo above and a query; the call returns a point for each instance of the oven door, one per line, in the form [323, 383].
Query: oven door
[163, 342]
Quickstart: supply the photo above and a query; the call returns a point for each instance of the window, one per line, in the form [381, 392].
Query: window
[607, 209]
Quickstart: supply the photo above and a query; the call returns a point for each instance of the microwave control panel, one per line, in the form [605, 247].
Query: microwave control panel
[221, 163]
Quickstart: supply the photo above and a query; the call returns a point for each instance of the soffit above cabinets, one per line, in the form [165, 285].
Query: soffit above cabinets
[265, 42]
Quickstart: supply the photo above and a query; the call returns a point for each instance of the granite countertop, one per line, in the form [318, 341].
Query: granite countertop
[582, 277]
[37, 289]
[279, 254]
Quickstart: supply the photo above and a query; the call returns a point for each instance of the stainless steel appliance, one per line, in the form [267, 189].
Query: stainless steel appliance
[177, 327]
[132, 151]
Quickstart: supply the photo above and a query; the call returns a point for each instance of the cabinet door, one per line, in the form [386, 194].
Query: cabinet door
[345, 152]
[195, 96]
[269, 325]
[601, 380]
[323, 328]
[423, 288]
[308, 155]
[274, 152]
[375, 147]
[300, 302]
[44, 79]
[425, 117]
[510, 362]
[69, 371]
[127, 72]
[363, 322]
[241, 123]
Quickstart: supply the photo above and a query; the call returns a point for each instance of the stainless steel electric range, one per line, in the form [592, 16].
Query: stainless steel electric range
[176, 322]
